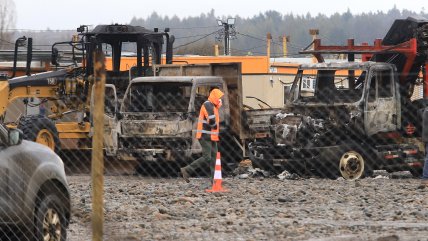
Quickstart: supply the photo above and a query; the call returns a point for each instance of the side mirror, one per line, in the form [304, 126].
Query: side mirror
[15, 137]
[54, 56]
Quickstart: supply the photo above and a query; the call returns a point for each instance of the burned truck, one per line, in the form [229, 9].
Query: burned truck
[157, 117]
[349, 118]
[341, 127]
[155, 121]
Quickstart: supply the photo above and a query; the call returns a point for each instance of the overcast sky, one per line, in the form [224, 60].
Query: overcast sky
[61, 15]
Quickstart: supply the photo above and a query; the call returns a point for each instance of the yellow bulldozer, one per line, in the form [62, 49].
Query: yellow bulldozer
[53, 107]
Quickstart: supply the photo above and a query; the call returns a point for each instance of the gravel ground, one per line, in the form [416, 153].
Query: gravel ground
[143, 208]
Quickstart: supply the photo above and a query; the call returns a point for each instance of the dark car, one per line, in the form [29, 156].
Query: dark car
[35, 197]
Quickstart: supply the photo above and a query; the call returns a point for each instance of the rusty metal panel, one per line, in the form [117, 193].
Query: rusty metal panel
[140, 128]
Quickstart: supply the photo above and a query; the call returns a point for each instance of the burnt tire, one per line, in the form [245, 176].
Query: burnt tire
[351, 165]
[40, 129]
[354, 164]
[50, 221]
[348, 162]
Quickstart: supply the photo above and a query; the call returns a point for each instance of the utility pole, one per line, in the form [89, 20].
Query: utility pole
[216, 50]
[268, 42]
[226, 39]
[228, 31]
[314, 33]
[284, 39]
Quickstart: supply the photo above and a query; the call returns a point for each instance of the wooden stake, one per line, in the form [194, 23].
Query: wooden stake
[97, 148]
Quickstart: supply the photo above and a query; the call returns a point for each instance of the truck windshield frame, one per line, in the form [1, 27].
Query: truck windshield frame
[166, 97]
[329, 85]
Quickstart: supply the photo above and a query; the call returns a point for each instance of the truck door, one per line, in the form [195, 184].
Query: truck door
[380, 114]
[111, 126]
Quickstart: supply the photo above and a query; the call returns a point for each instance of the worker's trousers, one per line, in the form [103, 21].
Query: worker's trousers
[425, 171]
[209, 154]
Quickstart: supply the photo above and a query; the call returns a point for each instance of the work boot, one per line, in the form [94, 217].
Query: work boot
[185, 175]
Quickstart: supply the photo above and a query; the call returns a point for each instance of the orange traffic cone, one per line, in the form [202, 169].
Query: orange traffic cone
[217, 177]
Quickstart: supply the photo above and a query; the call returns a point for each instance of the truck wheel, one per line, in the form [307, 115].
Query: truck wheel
[40, 129]
[50, 221]
[351, 165]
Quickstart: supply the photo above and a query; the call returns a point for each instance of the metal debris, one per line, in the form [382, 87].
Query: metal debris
[285, 175]
[245, 170]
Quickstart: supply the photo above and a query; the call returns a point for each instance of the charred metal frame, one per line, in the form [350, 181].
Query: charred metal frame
[408, 49]
[308, 133]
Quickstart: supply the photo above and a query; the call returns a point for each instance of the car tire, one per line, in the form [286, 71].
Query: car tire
[40, 129]
[50, 219]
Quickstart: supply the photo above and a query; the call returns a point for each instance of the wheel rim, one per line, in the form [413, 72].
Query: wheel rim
[46, 138]
[51, 226]
[351, 165]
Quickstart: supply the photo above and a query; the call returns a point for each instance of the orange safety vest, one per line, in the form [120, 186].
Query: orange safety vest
[208, 113]
[209, 119]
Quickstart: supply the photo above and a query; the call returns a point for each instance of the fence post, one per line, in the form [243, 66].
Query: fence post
[97, 167]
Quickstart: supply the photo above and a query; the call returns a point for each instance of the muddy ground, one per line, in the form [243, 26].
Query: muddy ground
[259, 208]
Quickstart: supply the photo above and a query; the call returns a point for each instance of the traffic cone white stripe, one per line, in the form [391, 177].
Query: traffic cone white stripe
[217, 175]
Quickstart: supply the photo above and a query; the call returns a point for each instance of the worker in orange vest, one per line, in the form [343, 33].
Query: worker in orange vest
[208, 129]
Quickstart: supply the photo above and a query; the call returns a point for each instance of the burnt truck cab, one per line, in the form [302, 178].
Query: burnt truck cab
[340, 119]
[157, 117]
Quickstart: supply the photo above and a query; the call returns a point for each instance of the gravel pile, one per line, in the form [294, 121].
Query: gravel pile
[259, 208]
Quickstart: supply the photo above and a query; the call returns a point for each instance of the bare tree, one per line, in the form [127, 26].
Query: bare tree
[7, 22]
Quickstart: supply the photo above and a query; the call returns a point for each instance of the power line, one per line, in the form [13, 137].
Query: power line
[272, 56]
[59, 30]
[196, 27]
[280, 44]
[291, 46]
[191, 36]
[325, 37]
[249, 36]
[6, 41]
[194, 41]
[264, 45]
[295, 46]
[38, 30]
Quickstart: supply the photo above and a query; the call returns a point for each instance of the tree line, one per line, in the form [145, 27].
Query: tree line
[250, 37]
[198, 34]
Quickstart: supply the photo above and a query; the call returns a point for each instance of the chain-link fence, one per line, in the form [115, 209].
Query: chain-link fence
[327, 151]
[341, 160]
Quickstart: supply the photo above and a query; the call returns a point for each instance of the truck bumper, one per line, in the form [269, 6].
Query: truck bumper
[292, 158]
[391, 158]
[147, 154]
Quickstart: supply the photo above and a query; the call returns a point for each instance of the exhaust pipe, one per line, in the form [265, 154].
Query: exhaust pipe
[15, 55]
[29, 56]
